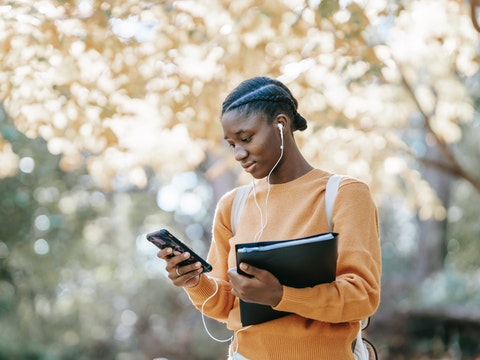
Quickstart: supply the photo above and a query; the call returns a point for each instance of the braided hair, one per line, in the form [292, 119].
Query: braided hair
[265, 95]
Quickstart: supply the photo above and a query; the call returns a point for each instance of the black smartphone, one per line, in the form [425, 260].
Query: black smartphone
[163, 238]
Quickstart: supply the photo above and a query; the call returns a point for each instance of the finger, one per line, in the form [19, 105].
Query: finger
[165, 253]
[187, 269]
[249, 269]
[234, 276]
[192, 281]
[174, 258]
[232, 272]
[177, 270]
[189, 279]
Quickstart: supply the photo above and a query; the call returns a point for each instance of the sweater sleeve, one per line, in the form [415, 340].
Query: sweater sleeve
[355, 294]
[215, 286]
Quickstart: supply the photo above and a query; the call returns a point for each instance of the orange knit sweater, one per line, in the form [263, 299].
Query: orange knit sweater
[326, 317]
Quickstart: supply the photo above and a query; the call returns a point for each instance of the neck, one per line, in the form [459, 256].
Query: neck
[292, 166]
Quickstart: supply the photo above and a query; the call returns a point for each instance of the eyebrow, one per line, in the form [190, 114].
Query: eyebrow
[236, 133]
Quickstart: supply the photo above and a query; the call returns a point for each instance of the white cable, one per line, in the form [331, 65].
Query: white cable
[231, 338]
[264, 225]
[259, 232]
[235, 336]
[257, 237]
[203, 316]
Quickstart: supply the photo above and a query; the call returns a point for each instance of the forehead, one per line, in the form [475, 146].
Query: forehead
[234, 121]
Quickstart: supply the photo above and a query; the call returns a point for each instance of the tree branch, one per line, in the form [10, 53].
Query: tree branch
[457, 172]
[452, 165]
[473, 13]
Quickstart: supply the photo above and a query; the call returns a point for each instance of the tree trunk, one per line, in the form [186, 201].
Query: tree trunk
[432, 232]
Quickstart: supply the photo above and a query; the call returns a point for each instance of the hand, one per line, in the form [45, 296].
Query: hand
[261, 288]
[184, 276]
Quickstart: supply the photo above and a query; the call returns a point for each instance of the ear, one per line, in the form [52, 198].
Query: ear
[282, 120]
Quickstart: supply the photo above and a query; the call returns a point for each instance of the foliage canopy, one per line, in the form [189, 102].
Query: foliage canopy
[104, 98]
[126, 85]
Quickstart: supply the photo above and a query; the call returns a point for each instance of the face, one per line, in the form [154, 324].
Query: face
[255, 143]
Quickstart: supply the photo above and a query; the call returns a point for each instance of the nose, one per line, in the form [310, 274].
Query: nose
[239, 153]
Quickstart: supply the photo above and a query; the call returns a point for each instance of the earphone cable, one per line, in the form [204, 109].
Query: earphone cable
[203, 316]
[262, 224]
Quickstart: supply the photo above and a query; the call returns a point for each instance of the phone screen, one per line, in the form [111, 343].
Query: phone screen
[163, 238]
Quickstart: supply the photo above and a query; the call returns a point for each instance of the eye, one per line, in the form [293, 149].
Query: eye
[244, 140]
[230, 144]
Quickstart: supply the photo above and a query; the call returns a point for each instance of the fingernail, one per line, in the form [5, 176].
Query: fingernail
[186, 255]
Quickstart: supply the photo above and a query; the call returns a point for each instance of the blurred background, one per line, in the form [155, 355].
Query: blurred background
[109, 129]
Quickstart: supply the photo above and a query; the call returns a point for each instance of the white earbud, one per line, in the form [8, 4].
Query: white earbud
[280, 127]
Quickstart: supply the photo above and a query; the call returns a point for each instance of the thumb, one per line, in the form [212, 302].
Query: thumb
[248, 269]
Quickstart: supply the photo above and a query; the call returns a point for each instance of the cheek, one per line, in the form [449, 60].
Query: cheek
[261, 148]
[268, 151]
[272, 145]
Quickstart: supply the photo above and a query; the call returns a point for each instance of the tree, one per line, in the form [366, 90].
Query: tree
[77, 278]
[109, 83]
[129, 89]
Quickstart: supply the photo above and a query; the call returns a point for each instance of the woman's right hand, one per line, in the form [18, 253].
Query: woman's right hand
[184, 276]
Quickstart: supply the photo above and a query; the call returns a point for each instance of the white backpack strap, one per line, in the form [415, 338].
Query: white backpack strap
[360, 352]
[238, 204]
[330, 196]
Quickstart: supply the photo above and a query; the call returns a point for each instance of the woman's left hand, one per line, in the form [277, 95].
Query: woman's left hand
[261, 288]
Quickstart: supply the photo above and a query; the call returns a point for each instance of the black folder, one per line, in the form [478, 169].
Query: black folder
[298, 263]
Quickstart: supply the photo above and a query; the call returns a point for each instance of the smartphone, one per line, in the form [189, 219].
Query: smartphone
[163, 238]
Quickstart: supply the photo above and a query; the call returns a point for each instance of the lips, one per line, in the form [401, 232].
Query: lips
[248, 166]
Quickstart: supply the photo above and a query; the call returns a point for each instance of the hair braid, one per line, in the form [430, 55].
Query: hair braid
[262, 94]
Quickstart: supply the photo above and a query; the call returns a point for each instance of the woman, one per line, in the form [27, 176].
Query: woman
[259, 118]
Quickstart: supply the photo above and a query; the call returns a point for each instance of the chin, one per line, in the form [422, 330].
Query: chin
[258, 173]
[259, 176]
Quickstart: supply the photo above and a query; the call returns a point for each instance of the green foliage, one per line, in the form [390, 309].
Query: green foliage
[78, 280]
[327, 8]
[463, 230]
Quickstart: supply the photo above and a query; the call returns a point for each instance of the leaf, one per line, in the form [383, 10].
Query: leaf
[327, 8]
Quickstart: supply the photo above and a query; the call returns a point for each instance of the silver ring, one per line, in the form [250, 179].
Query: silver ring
[178, 272]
